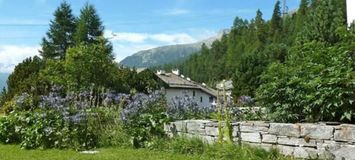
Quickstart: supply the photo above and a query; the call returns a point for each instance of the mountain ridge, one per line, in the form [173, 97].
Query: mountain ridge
[167, 54]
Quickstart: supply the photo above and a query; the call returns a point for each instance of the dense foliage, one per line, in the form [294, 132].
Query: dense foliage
[75, 55]
[299, 65]
[317, 85]
[72, 121]
[60, 35]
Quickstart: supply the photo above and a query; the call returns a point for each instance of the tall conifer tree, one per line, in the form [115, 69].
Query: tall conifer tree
[60, 35]
[276, 20]
[89, 26]
[260, 26]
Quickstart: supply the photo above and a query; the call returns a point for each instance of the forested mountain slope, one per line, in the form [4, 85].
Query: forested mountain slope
[245, 53]
[167, 54]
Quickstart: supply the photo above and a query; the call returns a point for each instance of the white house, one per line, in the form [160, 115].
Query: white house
[350, 9]
[178, 85]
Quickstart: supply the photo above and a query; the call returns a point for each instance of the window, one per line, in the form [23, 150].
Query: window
[201, 99]
[211, 99]
[193, 93]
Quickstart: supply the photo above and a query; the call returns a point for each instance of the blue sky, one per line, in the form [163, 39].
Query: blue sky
[139, 24]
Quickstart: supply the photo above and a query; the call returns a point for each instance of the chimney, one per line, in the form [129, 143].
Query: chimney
[188, 79]
[160, 72]
[176, 72]
[182, 76]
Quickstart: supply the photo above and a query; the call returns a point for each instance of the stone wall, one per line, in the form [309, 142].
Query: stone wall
[301, 140]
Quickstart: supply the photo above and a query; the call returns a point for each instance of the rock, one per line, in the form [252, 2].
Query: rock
[286, 150]
[346, 152]
[324, 154]
[246, 123]
[180, 126]
[292, 141]
[317, 131]
[211, 124]
[170, 129]
[251, 137]
[253, 128]
[328, 145]
[285, 129]
[305, 153]
[269, 138]
[266, 147]
[236, 131]
[261, 124]
[211, 131]
[346, 133]
[194, 127]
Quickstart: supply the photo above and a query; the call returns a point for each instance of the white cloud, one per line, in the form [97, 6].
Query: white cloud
[128, 43]
[11, 55]
[175, 38]
[178, 38]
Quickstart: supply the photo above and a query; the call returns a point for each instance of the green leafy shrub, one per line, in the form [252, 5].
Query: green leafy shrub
[110, 128]
[8, 131]
[148, 124]
[317, 83]
[45, 129]
[8, 107]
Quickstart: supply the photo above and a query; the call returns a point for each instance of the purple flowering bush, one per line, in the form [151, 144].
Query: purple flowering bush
[186, 107]
[93, 118]
[84, 120]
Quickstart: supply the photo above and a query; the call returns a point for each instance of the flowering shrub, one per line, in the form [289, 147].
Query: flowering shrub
[186, 107]
[88, 119]
[144, 118]
[44, 129]
[21, 102]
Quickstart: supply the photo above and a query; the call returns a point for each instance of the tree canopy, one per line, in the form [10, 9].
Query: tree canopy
[60, 35]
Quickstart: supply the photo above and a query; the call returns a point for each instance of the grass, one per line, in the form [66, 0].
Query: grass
[13, 152]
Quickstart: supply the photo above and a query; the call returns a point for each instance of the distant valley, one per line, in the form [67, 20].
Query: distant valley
[167, 54]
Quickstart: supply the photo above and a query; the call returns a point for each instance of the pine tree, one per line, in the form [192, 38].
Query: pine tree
[60, 35]
[302, 15]
[89, 26]
[260, 26]
[276, 20]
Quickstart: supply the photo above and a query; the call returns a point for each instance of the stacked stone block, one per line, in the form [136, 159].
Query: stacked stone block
[300, 140]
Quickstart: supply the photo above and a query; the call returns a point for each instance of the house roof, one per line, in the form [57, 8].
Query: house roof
[175, 81]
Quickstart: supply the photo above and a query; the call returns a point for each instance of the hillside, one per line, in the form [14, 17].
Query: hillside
[167, 54]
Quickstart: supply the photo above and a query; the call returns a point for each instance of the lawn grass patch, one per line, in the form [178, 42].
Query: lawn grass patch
[13, 152]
